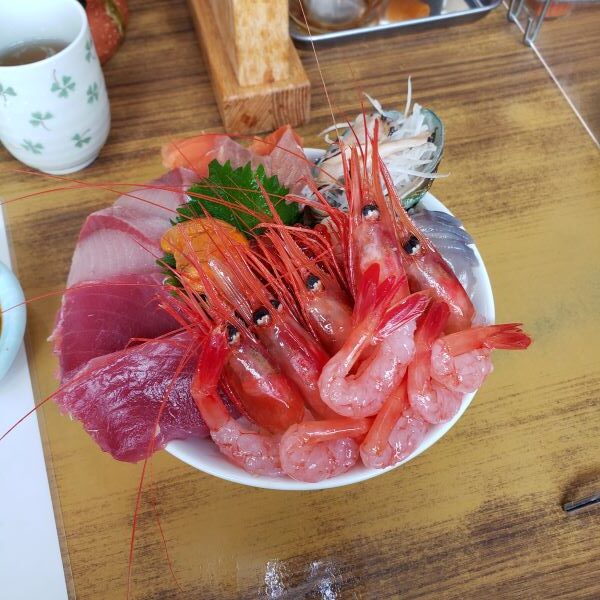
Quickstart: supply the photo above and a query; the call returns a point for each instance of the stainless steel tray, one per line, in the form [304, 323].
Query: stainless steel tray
[442, 13]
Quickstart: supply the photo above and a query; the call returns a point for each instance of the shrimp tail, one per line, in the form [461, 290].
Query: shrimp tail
[433, 324]
[409, 308]
[365, 297]
[373, 295]
[212, 356]
[373, 299]
[508, 337]
[213, 353]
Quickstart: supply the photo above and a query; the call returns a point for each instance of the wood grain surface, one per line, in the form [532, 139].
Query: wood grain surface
[476, 516]
[250, 108]
[256, 38]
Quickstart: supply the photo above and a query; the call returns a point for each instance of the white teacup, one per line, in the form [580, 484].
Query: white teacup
[54, 113]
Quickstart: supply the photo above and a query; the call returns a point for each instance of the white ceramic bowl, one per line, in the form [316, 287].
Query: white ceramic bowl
[203, 454]
[13, 320]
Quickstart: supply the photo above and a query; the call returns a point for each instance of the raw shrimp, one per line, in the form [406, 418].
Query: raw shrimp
[396, 432]
[322, 305]
[430, 399]
[295, 351]
[372, 261]
[373, 242]
[461, 361]
[258, 388]
[290, 346]
[246, 447]
[371, 226]
[299, 356]
[229, 277]
[362, 393]
[425, 267]
[317, 450]
[271, 401]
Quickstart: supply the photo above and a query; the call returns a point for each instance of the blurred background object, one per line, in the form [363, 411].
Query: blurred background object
[257, 77]
[108, 22]
[333, 15]
[563, 34]
[320, 20]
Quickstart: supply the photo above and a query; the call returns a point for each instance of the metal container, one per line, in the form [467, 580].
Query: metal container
[441, 13]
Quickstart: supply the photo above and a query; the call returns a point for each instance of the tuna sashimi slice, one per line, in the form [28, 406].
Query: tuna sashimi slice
[117, 397]
[236, 154]
[288, 162]
[146, 228]
[101, 317]
[162, 203]
[107, 253]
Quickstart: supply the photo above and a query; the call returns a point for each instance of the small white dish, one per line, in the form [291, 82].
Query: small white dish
[202, 454]
[13, 322]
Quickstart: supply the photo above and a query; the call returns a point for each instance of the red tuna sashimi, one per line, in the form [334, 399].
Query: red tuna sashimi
[117, 397]
[101, 317]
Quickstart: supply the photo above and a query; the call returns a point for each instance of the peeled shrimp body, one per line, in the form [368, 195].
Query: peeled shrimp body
[244, 446]
[396, 432]
[430, 399]
[364, 393]
[461, 361]
[317, 450]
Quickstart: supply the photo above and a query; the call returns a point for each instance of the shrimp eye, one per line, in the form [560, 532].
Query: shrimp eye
[370, 212]
[313, 283]
[276, 304]
[261, 317]
[412, 246]
[233, 335]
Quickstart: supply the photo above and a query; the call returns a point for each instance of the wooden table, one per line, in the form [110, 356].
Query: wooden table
[478, 515]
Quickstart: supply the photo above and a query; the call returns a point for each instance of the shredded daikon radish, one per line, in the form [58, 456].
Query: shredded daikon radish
[406, 147]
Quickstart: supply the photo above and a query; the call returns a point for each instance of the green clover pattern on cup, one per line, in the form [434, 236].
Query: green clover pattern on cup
[81, 139]
[92, 93]
[62, 87]
[37, 119]
[31, 147]
[5, 92]
[89, 50]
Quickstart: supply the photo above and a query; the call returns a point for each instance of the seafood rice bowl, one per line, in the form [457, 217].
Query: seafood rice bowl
[276, 317]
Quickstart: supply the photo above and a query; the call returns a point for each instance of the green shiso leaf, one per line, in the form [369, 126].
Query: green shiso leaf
[238, 187]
